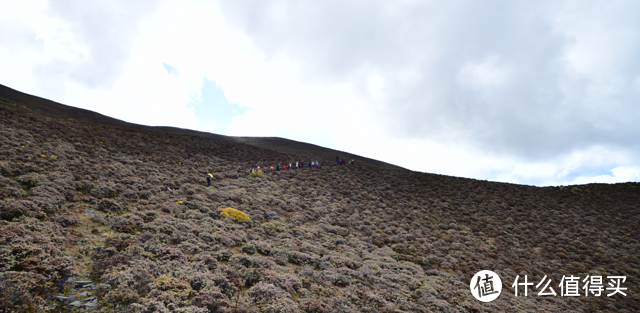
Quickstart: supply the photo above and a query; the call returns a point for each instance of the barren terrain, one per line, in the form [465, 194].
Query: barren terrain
[105, 216]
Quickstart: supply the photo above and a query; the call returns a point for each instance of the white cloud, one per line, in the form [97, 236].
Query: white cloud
[618, 175]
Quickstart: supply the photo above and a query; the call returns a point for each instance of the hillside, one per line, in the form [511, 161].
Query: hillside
[294, 148]
[118, 217]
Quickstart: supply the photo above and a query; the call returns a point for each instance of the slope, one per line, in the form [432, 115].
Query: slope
[302, 150]
[125, 215]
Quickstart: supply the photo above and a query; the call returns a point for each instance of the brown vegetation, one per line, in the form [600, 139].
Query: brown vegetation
[129, 209]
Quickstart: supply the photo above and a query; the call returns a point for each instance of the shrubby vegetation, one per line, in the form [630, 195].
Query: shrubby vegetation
[257, 173]
[237, 214]
[130, 210]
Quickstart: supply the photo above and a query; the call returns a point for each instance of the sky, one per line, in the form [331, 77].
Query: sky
[539, 93]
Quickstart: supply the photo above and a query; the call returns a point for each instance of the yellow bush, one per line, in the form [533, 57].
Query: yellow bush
[237, 214]
[256, 174]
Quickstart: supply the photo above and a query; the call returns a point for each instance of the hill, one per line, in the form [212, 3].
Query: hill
[99, 212]
[294, 148]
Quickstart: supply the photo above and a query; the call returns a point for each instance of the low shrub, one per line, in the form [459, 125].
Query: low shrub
[224, 255]
[252, 276]
[15, 192]
[212, 300]
[121, 296]
[255, 174]
[249, 248]
[262, 247]
[16, 295]
[5, 169]
[104, 189]
[264, 293]
[237, 214]
[69, 195]
[171, 207]
[300, 258]
[150, 216]
[50, 194]
[31, 180]
[84, 186]
[110, 206]
[207, 259]
[286, 282]
[65, 221]
[126, 224]
[10, 209]
[97, 218]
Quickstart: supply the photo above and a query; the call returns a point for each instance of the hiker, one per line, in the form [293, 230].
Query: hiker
[278, 168]
[351, 161]
[338, 160]
[271, 170]
[284, 168]
[209, 179]
[309, 164]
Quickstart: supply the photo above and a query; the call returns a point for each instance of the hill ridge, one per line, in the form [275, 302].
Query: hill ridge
[297, 148]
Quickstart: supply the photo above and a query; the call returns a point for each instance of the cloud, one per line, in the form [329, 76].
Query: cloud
[512, 78]
[98, 36]
[617, 175]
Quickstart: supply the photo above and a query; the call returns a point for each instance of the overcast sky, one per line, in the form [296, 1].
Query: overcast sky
[530, 92]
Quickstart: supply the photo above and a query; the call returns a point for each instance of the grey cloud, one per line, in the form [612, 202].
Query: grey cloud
[492, 74]
[107, 29]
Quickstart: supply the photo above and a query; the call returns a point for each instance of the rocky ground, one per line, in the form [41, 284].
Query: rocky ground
[107, 219]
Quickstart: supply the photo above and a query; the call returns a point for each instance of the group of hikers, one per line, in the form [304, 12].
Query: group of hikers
[290, 166]
[343, 161]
